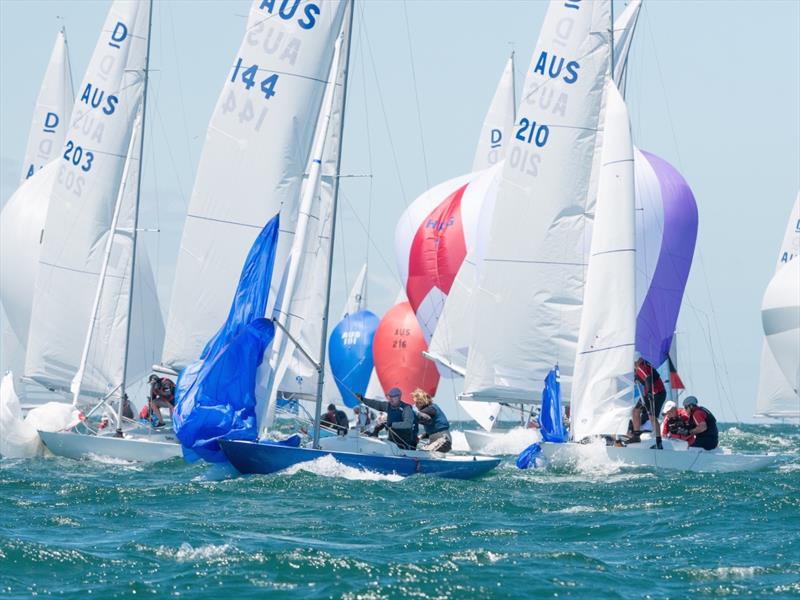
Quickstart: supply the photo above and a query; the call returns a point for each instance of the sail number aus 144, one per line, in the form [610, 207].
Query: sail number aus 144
[247, 75]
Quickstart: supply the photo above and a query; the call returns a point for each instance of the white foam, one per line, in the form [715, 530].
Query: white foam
[110, 460]
[507, 443]
[328, 466]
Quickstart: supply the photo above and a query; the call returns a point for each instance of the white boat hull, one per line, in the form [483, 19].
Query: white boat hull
[501, 443]
[80, 446]
[675, 456]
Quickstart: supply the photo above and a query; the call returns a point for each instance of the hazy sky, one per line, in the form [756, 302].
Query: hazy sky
[713, 87]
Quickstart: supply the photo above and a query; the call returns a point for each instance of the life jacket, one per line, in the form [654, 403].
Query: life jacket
[712, 431]
[438, 423]
[649, 378]
[394, 414]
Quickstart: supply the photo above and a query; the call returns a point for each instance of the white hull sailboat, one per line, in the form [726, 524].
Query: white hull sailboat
[93, 280]
[497, 443]
[149, 448]
[675, 455]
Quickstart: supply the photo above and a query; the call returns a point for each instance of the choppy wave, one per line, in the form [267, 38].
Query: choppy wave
[328, 466]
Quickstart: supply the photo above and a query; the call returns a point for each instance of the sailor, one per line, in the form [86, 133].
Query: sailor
[676, 423]
[401, 422]
[162, 395]
[363, 418]
[702, 425]
[433, 419]
[653, 395]
[336, 420]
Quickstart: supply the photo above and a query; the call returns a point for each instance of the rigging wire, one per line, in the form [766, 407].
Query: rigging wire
[416, 95]
[713, 324]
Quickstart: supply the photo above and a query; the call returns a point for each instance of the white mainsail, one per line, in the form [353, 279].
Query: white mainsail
[252, 165]
[450, 342]
[52, 112]
[528, 300]
[624, 27]
[776, 398]
[79, 219]
[301, 306]
[49, 122]
[780, 316]
[602, 396]
[499, 122]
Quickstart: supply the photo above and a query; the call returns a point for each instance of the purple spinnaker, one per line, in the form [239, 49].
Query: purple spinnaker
[658, 316]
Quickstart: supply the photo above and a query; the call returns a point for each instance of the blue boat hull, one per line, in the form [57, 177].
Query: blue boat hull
[253, 457]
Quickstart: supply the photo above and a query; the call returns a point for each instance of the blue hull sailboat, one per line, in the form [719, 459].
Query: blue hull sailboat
[357, 452]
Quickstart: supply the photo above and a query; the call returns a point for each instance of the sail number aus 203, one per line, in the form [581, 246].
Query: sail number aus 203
[530, 131]
[247, 75]
[78, 157]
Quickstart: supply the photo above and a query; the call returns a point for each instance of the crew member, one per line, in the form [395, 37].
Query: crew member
[676, 423]
[433, 419]
[401, 422]
[363, 418]
[336, 420]
[653, 395]
[162, 395]
[702, 425]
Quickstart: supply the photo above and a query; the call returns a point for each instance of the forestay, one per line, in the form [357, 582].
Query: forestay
[306, 309]
[79, 221]
[776, 398]
[252, 164]
[295, 353]
[528, 301]
[603, 386]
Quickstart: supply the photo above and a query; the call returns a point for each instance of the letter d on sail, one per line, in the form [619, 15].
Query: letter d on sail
[118, 35]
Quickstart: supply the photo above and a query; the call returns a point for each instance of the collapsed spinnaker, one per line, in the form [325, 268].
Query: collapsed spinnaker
[215, 395]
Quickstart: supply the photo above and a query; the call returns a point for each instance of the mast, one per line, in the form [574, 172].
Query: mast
[324, 334]
[123, 394]
[309, 191]
[77, 380]
[611, 41]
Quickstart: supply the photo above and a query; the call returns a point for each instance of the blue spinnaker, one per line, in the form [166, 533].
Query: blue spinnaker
[550, 420]
[350, 352]
[217, 395]
[250, 300]
[528, 456]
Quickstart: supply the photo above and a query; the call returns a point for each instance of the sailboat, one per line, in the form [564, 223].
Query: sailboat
[603, 387]
[294, 351]
[89, 294]
[450, 343]
[778, 385]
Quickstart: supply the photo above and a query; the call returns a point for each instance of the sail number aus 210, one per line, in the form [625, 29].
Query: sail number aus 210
[247, 75]
[530, 131]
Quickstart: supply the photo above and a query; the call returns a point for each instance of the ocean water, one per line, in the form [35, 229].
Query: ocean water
[95, 529]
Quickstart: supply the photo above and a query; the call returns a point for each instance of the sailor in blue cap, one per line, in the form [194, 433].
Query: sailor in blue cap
[401, 422]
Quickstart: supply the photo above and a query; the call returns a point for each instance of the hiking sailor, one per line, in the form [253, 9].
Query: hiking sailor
[433, 419]
[702, 425]
[401, 422]
[676, 423]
